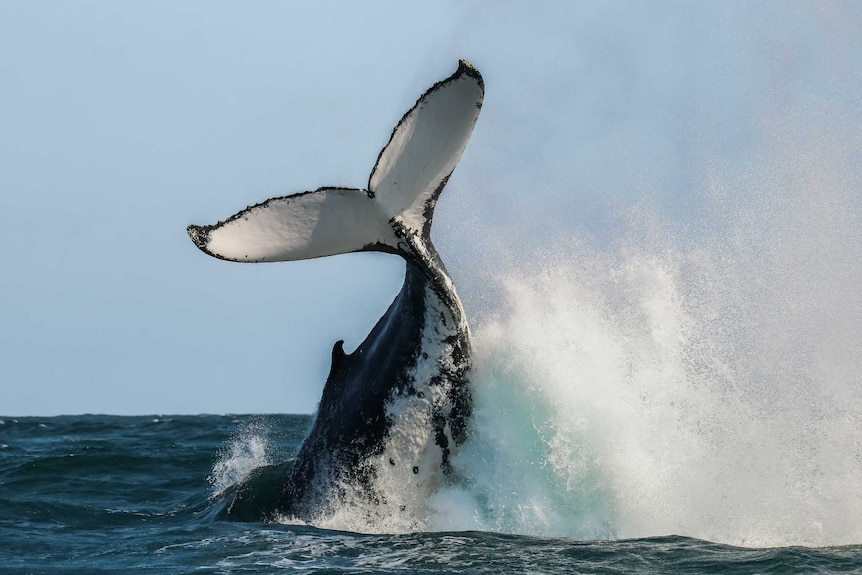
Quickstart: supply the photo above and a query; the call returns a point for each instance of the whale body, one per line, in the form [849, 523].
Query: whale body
[393, 411]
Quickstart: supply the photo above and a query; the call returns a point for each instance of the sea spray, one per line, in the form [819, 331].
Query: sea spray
[702, 380]
[247, 450]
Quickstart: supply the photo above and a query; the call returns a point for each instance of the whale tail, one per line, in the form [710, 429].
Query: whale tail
[402, 191]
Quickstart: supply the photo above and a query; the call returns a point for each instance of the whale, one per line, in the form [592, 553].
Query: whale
[394, 411]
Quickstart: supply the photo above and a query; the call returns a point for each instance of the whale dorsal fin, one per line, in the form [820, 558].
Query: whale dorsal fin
[403, 188]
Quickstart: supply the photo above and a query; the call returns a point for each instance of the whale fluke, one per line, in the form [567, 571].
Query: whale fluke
[402, 191]
[394, 409]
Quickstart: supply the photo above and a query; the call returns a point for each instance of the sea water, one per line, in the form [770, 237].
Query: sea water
[106, 494]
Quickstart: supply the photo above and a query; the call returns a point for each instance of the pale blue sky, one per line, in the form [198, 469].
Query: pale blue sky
[121, 123]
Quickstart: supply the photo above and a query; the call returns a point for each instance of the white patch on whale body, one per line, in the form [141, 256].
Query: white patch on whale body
[398, 498]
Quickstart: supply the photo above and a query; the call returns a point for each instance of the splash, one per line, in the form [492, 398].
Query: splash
[697, 383]
[246, 451]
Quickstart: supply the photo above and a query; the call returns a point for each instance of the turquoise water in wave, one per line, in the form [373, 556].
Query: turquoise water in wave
[104, 494]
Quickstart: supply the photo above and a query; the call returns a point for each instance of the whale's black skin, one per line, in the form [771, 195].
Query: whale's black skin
[352, 423]
[417, 358]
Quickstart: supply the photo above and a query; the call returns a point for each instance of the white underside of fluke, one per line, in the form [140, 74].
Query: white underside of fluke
[402, 190]
[424, 149]
[325, 222]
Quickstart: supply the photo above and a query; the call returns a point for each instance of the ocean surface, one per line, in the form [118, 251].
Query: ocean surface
[108, 494]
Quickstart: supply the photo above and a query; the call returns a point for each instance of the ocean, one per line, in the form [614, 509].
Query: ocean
[109, 494]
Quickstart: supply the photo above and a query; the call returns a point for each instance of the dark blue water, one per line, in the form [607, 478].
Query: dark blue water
[106, 494]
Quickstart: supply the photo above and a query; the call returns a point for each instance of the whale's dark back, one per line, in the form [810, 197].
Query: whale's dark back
[351, 421]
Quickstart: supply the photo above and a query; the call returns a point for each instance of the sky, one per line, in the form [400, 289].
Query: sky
[122, 123]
